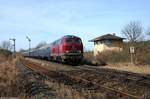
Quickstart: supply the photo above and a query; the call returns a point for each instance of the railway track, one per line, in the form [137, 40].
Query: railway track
[112, 81]
[139, 79]
[32, 84]
[87, 78]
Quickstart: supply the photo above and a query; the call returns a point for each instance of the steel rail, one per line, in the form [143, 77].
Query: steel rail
[139, 79]
[41, 70]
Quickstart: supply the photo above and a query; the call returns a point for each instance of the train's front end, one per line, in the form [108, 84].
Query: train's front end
[72, 48]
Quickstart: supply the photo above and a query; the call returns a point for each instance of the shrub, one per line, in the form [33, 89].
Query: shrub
[5, 52]
[111, 57]
[141, 56]
[142, 52]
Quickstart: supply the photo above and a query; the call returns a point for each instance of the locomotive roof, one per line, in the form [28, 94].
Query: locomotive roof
[70, 36]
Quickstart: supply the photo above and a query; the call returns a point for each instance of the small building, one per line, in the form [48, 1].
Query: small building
[108, 42]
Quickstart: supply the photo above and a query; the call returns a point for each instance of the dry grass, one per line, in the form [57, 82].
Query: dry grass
[89, 56]
[89, 59]
[67, 92]
[140, 57]
[9, 81]
[130, 67]
[52, 66]
[121, 61]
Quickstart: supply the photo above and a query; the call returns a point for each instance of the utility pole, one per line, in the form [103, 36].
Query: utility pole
[29, 44]
[14, 41]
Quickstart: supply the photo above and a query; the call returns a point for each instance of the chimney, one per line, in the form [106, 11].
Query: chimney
[114, 34]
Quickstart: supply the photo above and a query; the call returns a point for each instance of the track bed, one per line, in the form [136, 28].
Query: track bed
[112, 83]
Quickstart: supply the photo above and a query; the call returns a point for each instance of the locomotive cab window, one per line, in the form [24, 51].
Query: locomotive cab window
[78, 41]
[69, 40]
[73, 40]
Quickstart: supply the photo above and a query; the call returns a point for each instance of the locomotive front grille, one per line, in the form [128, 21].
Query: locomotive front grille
[73, 56]
[77, 51]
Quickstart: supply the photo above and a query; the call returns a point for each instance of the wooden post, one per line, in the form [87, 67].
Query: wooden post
[131, 53]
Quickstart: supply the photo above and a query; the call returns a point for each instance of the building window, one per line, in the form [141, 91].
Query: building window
[96, 43]
[99, 42]
[107, 42]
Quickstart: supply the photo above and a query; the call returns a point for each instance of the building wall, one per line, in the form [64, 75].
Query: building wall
[114, 45]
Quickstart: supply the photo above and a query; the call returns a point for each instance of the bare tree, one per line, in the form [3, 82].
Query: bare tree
[6, 45]
[133, 31]
[41, 44]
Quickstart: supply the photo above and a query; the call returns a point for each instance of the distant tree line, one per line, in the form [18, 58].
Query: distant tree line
[5, 48]
[6, 45]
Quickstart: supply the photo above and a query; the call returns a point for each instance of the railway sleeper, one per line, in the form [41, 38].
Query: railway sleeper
[86, 82]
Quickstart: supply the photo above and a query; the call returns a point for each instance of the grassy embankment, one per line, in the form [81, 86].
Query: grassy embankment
[141, 56]
[9, 80]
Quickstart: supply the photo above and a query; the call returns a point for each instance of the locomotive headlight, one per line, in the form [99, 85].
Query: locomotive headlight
[67, 51]
[79, 51]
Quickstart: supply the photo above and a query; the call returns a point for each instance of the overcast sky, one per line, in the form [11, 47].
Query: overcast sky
[48, 20]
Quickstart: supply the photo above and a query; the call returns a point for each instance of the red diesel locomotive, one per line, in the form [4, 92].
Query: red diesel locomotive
[67, 49]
